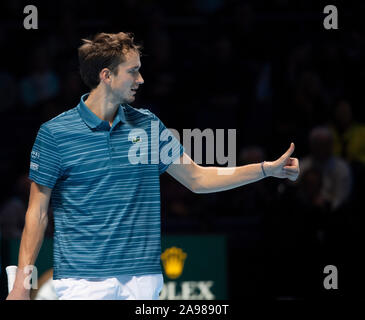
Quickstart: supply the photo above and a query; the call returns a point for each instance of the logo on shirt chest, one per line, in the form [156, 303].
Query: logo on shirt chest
[152, 147]
[136, 139]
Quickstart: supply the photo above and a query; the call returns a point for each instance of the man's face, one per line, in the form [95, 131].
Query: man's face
[124, 84]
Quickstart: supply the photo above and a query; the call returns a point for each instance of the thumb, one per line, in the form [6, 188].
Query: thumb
[289, 152]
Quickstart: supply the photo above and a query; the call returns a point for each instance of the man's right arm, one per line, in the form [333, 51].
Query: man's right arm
[36, 220]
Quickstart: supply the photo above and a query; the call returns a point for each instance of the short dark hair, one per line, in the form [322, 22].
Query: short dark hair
[105, 50]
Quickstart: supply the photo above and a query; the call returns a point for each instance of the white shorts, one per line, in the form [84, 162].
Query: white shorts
[146, 287]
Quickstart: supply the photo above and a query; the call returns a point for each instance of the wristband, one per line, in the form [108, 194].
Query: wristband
[262, 167]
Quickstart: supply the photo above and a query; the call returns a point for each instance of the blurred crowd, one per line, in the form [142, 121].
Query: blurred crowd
[269, 71]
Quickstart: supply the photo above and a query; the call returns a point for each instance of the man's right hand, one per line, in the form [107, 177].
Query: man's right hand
[18, 294]
[21, 287]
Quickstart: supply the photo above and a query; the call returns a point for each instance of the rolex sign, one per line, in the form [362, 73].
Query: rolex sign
[194, 268]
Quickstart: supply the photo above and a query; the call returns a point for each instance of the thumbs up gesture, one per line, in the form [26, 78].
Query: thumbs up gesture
[284, 167]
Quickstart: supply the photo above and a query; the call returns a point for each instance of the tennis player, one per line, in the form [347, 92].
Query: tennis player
[106, 205]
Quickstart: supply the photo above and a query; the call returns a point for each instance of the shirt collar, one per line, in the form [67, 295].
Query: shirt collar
[93, 121]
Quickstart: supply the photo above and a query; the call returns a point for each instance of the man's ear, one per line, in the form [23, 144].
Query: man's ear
[104, 75]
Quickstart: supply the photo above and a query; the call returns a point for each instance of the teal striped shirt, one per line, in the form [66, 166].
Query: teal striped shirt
[105, 189]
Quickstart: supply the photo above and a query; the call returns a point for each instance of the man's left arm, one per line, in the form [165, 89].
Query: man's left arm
[200, 179]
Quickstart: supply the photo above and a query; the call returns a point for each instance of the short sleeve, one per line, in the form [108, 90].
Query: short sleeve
[45, 159]
[170, 148]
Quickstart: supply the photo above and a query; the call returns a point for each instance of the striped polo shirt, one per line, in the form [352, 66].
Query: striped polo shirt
[105, 189]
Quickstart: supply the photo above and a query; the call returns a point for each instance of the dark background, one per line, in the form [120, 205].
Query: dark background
[268, 69]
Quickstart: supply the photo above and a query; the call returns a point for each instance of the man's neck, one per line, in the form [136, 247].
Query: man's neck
[104, 108]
